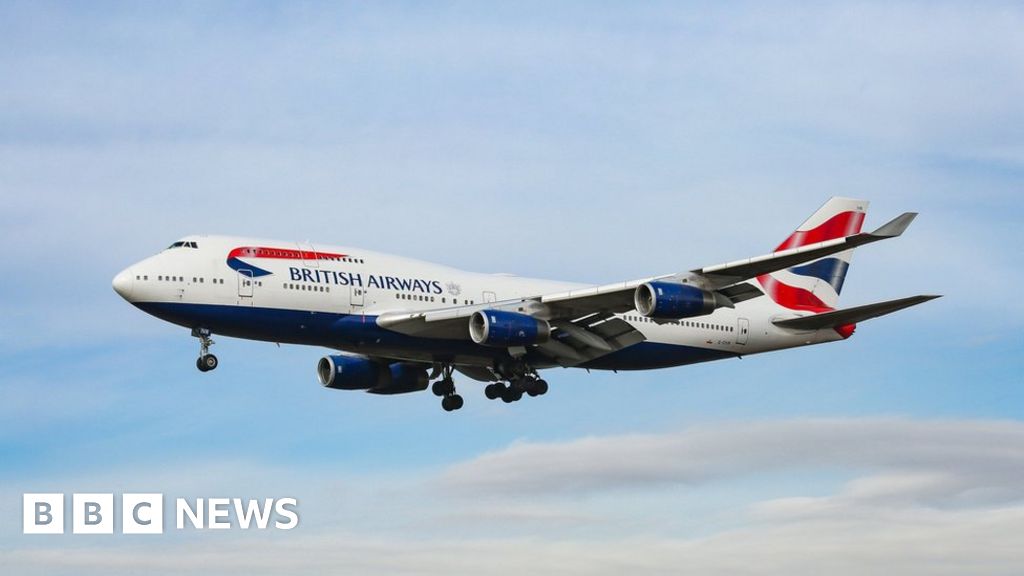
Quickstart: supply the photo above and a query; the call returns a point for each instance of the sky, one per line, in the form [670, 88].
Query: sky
[591, 142]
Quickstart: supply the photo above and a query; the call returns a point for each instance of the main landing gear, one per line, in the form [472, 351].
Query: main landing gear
[206, 361]
[522, 379]
[529, 384]
[519, 379]
[445, 387]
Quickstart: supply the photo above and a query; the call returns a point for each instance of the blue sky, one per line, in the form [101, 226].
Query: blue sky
[590, 142]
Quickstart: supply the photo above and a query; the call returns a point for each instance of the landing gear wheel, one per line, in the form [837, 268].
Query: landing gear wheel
[511, 394]
[494, 391]
[443, 387]
[207, 362]
[538, 388]
[453, 402]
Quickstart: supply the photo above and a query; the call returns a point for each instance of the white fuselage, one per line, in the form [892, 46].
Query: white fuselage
[288, 292]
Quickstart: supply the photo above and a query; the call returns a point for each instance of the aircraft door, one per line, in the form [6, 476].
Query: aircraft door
[357, 297]
[742, 330]
[309, 259]
[489, 297]
[245, 283]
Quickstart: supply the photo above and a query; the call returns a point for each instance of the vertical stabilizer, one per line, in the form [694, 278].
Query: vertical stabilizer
[816, 286]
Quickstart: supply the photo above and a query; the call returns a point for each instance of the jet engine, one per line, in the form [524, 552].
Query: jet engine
[671, 300]
[358, 373]
[503, 329]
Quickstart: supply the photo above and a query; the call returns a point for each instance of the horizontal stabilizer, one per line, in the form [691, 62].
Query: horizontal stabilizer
[852, 315]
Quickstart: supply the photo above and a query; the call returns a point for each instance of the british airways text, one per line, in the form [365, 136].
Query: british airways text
[372, 280]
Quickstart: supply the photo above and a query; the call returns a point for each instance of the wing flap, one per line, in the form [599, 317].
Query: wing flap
[572, 344]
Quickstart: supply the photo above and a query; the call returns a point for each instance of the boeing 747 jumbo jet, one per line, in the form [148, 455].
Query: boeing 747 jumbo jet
[400, 323]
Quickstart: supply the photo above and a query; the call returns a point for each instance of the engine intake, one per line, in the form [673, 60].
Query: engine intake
[503, 329]
[358, 373]
[672, 300]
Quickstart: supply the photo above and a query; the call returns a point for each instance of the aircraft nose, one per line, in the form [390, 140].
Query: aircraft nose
[123, 283]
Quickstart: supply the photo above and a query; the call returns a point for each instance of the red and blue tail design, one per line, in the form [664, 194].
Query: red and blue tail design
[816, 286]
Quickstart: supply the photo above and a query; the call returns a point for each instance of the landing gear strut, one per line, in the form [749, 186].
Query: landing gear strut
[206, 361]
[445, 387]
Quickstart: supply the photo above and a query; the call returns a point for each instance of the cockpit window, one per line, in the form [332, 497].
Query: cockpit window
[183, 244]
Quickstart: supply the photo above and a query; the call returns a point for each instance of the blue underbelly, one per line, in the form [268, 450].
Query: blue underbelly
[356, 331]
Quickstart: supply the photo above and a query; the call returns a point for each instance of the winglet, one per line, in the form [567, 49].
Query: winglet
[895, 227]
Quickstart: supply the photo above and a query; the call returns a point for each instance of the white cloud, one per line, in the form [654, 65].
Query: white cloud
[963, 454]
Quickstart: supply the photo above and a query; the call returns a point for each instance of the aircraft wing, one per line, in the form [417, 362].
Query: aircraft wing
[582, 320]
[576, 336]
[730, 273]
[724, 278]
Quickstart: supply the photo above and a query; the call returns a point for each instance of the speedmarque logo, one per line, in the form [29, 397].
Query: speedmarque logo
[94, 513]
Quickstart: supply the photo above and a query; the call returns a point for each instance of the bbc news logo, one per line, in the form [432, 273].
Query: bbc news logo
[94, 513]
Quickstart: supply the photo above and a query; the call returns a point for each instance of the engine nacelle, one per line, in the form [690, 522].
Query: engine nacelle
[351, 373]
[357, 373]
[503, 329]
[672, 300]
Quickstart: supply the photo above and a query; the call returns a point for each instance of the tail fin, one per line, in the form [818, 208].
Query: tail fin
[816, 286]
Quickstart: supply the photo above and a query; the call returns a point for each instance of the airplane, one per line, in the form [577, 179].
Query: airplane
[401, 325]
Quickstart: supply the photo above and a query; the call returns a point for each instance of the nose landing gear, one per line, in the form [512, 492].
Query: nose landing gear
[206, 361]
